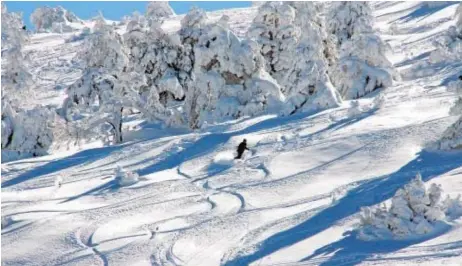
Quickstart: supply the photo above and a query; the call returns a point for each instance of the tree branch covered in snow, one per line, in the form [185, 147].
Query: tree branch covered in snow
[414, 210]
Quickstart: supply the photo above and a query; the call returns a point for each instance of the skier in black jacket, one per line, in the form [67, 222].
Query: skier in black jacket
[241, 148]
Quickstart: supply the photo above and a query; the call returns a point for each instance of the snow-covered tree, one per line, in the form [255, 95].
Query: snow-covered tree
[450, 47]
[157, 11]
[275, 31]
[57, 19]
[160, 57]
[202, 97]
[228, 73]
[24, 132]
[307, 84]
[346, 19]
[292, 41]
[452, 137]
[414, 210]
[191, 29]
[106, 87]
[16, 78]
[363, 65]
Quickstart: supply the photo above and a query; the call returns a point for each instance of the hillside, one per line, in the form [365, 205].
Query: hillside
[293, 200]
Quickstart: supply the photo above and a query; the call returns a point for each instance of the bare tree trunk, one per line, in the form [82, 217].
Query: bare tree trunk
[117, 126]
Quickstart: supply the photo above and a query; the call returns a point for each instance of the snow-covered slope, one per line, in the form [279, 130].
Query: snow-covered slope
[294, 199]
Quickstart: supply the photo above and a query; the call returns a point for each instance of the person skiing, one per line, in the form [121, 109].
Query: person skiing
[241, 148]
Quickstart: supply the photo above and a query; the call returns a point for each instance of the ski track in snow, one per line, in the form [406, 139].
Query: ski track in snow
[289, 201]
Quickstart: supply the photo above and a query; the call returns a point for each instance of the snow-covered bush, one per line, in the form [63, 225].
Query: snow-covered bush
[355, 109]
[414, 210]
[6, 221]
[293, 43]
[453, 207]
[27, 132]
[58, 19]
[363, 65]
[125, 178]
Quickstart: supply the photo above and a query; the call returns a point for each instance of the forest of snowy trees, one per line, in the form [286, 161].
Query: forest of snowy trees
[296, 57]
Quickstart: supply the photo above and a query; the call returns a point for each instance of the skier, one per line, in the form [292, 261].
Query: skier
[241, 148]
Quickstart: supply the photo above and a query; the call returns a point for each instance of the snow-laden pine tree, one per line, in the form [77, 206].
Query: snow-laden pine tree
[346, 19]
[55, 19]
[16, 78]
[157, 11]
[106, 86]
[307, 84]
[275, 31]
[292, 41]
[159, 56]
[363, 65]
[414, 210]
[228, 78]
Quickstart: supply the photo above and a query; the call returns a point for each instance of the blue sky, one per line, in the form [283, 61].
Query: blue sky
[115, 10]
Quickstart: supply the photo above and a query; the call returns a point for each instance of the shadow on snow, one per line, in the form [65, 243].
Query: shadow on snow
[61, 164]
[367, 193]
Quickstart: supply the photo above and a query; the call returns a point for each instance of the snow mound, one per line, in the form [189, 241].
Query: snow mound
[224, 158]
[125, 178]
[6, 221]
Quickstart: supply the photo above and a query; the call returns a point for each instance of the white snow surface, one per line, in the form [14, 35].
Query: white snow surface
[294, 198]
